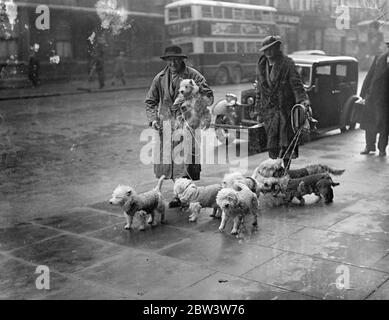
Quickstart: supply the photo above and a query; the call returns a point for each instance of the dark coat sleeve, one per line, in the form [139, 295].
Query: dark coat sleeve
[369, 77]
[296, 83]
[204, 88]
[152, 101]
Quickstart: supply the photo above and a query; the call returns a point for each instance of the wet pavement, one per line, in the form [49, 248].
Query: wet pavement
[296, 253]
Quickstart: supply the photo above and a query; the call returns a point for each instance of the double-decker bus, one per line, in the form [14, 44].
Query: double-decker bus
[222, 39]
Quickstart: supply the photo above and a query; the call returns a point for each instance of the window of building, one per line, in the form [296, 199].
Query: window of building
[206, 12]
[218, 12]
[220, 47]
[8, 48]
[173, 14]
[186, 12]
[64, 49]
[228, 13]
[208, 47]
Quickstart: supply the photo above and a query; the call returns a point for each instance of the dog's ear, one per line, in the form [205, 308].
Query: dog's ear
[192, 83]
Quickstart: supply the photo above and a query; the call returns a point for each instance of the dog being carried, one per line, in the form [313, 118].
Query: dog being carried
[149, 203]
[193, 105]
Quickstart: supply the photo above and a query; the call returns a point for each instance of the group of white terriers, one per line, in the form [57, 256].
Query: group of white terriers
[237, 197]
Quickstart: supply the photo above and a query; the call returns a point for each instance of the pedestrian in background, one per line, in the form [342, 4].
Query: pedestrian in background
[119, 69]
[279, 88]
[375, 117]
[162, 116]
[34, 66]
[99, 65]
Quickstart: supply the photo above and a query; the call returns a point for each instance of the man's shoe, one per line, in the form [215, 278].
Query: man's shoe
[367, 151]
[175, 203]
[382, 154]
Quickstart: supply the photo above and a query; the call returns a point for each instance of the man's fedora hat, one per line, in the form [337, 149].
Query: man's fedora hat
[269, 42]
[173, 52]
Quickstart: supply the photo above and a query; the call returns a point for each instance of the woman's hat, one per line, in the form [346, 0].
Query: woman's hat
[173, 52]
[269, 42]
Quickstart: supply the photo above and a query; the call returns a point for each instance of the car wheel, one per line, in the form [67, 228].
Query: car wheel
[221, 77]
[236, 75]
[225, 136]
[346, 117]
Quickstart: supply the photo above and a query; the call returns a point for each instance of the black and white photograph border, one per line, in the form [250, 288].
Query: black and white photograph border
[194, 151]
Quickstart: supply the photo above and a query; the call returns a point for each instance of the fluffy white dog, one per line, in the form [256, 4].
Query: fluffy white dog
[237, 205]
[193, 105]
[195, 198]
[151, 202]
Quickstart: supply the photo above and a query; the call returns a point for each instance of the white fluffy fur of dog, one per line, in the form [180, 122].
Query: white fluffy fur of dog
[195, 198]
[150, 203]
[194, 106]
[231, 179]
[237, 205]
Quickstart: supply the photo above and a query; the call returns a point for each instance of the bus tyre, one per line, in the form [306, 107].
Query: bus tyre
[221, 77]
[236, 76]
[347, 117]
[224, 136]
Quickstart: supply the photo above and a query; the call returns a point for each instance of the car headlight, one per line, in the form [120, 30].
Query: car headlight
[250, 101]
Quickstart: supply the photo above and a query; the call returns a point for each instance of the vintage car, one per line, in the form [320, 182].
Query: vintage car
[331, 83]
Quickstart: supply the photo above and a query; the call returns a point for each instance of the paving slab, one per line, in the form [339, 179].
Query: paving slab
[316, 277]
[271, 231]
[335, 246]
[151, 239]
[221, 286]
[382, 293]
[220, 252]
[317, 215]
[18, 281]
[382, 264]
[368, 225]
[145, 276]
[67, 253]
[23, 234]
[82, 220]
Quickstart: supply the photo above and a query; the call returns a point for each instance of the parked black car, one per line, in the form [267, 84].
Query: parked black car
[331, 83]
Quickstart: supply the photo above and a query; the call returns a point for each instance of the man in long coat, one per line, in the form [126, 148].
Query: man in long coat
[279, 88]
[179, 152]
[375, 119]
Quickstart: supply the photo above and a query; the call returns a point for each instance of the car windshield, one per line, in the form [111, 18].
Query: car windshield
[305, 73]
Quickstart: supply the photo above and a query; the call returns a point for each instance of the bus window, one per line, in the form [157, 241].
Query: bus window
[231, 47]
[241, 47]
[187, 47]
[206, 11]
[266, 16]
[248, 15]
[238, 14]
[186, 12]
[220, 47]
[228, 13]
[218, 12]
[258, 15]
[208, 47]
[259, 46]
[173, 14]
[251, 48]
